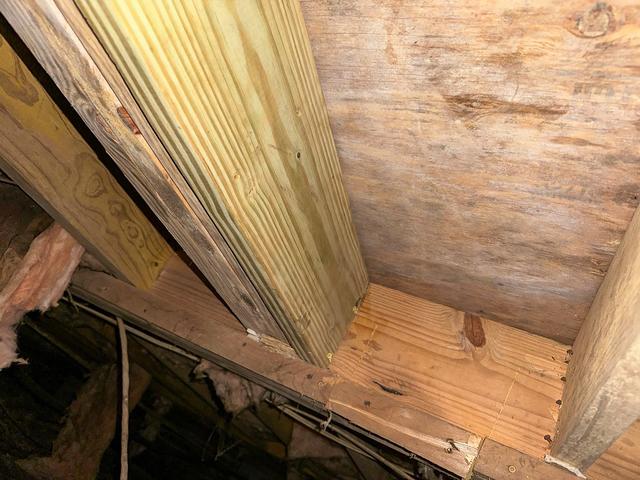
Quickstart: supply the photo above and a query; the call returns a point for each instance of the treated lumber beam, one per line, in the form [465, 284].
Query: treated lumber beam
[601, 398]
[65, 46]
[368, 410]
[232, 90]
[43, 152]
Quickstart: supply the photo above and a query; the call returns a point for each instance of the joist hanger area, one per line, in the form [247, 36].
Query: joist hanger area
[481, 316]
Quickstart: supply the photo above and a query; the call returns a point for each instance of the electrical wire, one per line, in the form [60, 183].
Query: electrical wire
[124, 416]
[337, 433]
[341, 437]
[133, 330]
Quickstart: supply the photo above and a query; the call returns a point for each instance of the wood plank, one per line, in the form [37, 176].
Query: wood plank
[478, 148]
[601, 398]
[369, 410]
[178, 282]
[497, 462]
[502, 383]
[418, 431]
[621, 461]
[43, 152]
[232, 90]
[216, 332]
[63, 43]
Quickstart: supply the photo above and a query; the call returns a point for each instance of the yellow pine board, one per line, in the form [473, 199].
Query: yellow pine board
[232, 90]
[43, 152]
[416, 352]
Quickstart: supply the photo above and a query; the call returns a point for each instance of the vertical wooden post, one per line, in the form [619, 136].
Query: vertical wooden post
[602, 396]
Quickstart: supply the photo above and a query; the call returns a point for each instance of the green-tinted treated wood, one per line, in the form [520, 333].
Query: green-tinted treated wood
[60, 39]
[42, 151]
[232, 90]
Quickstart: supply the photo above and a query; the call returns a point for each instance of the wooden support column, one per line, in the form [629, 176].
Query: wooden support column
[43, 153]
[65, 46]
[232, 90]
[602, 396]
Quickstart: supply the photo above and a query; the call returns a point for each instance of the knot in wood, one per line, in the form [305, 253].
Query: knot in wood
[596, 21]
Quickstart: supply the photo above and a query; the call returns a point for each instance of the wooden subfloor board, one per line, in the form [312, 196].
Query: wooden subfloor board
[489, 148]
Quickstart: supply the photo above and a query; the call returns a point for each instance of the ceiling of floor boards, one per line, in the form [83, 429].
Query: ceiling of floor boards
[490, 149]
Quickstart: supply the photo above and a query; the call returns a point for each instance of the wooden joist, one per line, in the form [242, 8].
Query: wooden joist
[406, 371]
[497, 462]
[43, 152]
[63, 43]
[620, 462]
[601, 399]
[405, 412]
[370, 409]
[232, 90]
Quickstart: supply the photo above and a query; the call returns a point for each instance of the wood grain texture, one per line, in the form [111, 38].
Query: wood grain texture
[497, 462]
[43, 152]
[414, 421]
[621, 461]
[214, 339]
[232, 347]
[178, 282]
[416, 352]
[232, 91]
[418, 431]
[64, 45]
[601, 399]
[489, 149]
